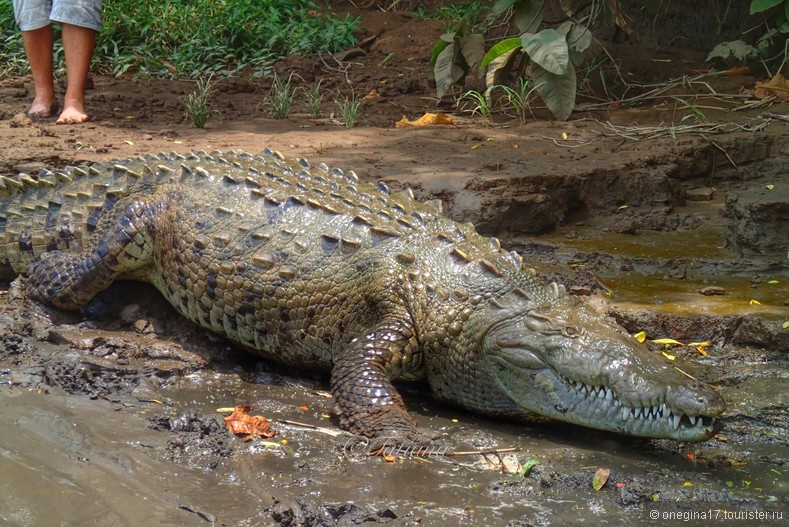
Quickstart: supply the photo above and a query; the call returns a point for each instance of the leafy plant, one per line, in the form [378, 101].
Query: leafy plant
[349, 109]
[553, 54]
[279, 101]
[195, 38]
[518, 99]
[776, 17]
[466, 12]
[480, 102]
[455, 54]
[314, 99]
[198, 103]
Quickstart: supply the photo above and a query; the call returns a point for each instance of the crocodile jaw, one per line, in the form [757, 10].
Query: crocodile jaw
[598, 377]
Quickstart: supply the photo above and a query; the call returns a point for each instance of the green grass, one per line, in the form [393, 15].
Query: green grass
[279, 101]
[349, 109]
[194, 38]
[197, 104]
[465, 12]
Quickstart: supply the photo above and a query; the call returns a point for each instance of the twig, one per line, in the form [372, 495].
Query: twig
[321, 429]
[780, 117]
[636, 133]
[491, 451]
[338, 69]
[564, 142]
[725, 153]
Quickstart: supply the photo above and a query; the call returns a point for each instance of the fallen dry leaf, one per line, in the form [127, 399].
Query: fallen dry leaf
[667, 341]
[429, 119]
[641, 336]
[777, 86]
[600, 477]
[241, 423]
[372, 95]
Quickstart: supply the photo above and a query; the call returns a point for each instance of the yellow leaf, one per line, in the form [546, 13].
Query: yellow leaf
[429, 119]
[687, 484]
[668, 356]
[755, 302]
[225, 410]
[128, 142]
[600, 477]
[777, 87]
[702, 344]
[770, 187]
[564, 136]
[178, 142]
[475, 147]
[701, 350]
[773, 282]
[514, 145]
[667, 341]
[624, 207]
[785, 324]
[641, 336]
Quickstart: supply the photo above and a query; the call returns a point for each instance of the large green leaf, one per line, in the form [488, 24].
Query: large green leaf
[473, 49]
[442, 71]
[548, 49]
[437, 49]
[497, 68]
[451, 68]
[759, 6]
[557, 91]
[578, 37]
[500, 48]
[528, 15]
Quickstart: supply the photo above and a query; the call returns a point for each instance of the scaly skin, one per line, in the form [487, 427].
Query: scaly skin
[319, 270]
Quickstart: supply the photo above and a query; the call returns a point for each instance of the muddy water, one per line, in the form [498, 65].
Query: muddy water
[101, 425]
[110, 418]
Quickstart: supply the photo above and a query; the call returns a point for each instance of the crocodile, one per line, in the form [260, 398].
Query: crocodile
[307, 265]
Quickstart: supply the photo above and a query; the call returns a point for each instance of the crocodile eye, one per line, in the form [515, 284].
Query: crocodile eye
[571, 331]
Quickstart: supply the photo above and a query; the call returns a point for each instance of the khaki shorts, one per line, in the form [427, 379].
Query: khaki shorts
[35, 14]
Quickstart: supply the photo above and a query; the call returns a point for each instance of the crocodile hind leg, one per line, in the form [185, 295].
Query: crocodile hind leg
[69, 281]
[368, 404]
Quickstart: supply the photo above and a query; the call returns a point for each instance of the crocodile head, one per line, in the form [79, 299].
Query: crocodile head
[567, 362]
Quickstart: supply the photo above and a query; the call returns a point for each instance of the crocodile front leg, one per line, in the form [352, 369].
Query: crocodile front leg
[69, 281]
[368, 403]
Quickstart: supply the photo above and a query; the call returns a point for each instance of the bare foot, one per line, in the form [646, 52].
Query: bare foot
[42, 108]
[73, 113]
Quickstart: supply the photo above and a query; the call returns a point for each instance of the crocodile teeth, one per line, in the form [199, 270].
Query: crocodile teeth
[609, 395]
[692, 420]
[677, 418]
[626, 412]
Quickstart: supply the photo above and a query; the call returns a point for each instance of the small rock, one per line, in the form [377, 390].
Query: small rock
[579, 290]
[147, 137]
[699, 194]
[711, 290]
[20, 120]
[29, 168]
[143, 326]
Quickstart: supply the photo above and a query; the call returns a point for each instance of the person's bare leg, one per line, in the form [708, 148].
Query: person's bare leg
[38, 46]
[78, 43]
